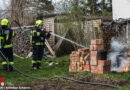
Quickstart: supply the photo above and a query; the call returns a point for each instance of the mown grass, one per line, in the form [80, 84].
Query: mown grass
[59, 67]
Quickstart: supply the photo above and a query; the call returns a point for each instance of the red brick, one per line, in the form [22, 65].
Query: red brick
[74, 59]
[78, 53]
[79, 68]
[128, 53]
[103, 69]
[93, 57]
[96, 47]
[85, 51]
[86, 67]
[87, 62]
[81, 59]
[96, 42]
[79, 50]
[81, 63]
[74, 52]
[93, 67]
[104, 62]
[128, 58]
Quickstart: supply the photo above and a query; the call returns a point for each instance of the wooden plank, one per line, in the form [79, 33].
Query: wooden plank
[49, 47]
[56, 47]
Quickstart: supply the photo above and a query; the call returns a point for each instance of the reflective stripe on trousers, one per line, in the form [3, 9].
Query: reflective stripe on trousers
[8, 46]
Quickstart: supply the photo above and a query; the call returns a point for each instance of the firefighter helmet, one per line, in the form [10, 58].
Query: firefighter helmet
[4, 22]
[39, 22]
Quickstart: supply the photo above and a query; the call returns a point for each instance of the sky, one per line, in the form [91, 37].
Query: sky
[3, 3]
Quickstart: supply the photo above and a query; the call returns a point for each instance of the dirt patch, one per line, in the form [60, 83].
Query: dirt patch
[62, 84]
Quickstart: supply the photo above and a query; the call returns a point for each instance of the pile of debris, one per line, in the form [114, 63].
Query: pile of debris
[93, 60]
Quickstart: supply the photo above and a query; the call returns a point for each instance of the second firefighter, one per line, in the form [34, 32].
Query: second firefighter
[37, 39]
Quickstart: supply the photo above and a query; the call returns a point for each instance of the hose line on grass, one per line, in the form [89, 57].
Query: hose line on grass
[84, 82]
[67, 78]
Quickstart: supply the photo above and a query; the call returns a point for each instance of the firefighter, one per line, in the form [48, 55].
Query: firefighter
[6, 45]
[37, 39]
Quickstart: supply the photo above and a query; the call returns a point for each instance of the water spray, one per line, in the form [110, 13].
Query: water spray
[67, 40]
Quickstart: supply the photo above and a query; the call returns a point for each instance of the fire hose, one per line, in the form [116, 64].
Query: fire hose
[67, 78]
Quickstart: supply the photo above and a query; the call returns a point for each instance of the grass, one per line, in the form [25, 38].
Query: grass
[59, 67]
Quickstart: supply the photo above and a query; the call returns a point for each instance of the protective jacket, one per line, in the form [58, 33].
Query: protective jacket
[38, 36]
[1, 38]
[7, 35]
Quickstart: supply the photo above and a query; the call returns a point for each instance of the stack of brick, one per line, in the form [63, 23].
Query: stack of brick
[77, 60]
[80, 61]
[98, 66]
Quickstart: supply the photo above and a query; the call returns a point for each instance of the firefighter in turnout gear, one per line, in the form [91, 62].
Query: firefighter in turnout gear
[37, 39]
[6, 35]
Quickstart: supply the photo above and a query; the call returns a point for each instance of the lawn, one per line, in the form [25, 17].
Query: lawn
[60, 66]
[53, 67]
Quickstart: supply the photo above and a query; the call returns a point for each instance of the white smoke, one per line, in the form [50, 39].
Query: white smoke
[118, 55]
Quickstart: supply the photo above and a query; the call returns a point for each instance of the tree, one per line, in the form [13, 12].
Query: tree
[24, 10]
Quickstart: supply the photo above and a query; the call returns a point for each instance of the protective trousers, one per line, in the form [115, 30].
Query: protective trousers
[8, 53]
[37, 56]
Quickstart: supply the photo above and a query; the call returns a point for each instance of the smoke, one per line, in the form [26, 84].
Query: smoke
[118, 55]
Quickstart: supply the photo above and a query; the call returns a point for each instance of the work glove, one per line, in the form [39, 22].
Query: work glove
[49, 34]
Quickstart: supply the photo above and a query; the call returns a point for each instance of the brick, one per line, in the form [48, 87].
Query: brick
[128, 58]
[81, 58]
[79, 50]
[87, 57]
[79, 68]
[74, 59]
[74, 52]
[85, 50]
[93, 69]
[94, 58]
[83, 55]
[78, 53]
[86, 67]
[96, 42]
[96, 47]
[81, 63]
[87, 62]
[70, 69]
[103, 69]
[77, 60]
[104, 62]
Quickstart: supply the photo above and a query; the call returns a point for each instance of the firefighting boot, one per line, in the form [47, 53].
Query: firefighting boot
[34, 64]
[11, 68]
[5, 67]
[38, 65]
